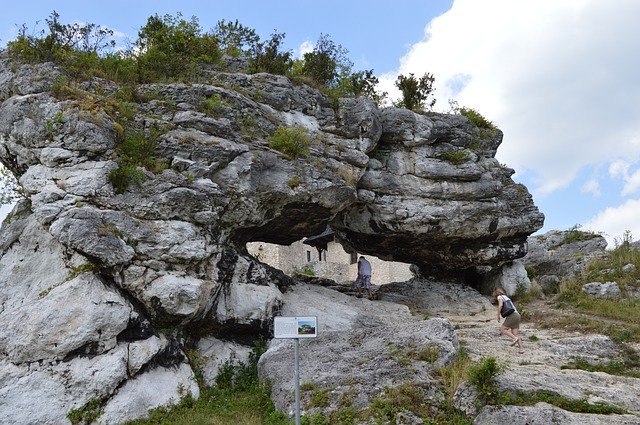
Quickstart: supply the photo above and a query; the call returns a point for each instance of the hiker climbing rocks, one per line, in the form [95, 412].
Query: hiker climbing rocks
[511, 323]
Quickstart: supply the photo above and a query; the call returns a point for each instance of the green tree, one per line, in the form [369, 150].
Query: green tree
[416, 92]
[235, 38]
[171, 46]
[362, 84]
[327, 63]
[267, 56]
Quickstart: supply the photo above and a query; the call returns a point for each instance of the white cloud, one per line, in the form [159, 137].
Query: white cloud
[615, 221]
[631, 184]
[305, 47]
[621, 170]
[558, 77]
[592, 187]
[618, 169]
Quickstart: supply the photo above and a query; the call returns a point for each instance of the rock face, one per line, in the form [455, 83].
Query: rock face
[97, 283]
[416, 206]
[555, 256]
[544, 414]
[362, 348]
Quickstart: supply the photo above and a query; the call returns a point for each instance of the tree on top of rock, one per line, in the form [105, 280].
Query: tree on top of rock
[416, 92]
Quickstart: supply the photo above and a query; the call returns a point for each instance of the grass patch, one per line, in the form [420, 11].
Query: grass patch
[614, 367]
[291, 141]
[86, 414]
[386, 407]
[453, 375]
[294, 182]
[212, 104]
[238, 398]
[572, 405]
[457, 157]
[82, 268]
[476, 118]
[625, 310]
[574, 234]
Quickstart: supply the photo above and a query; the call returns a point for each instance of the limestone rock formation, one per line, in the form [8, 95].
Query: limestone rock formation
[555, 256]
[363, 348]
[103, 287]
[543, 414]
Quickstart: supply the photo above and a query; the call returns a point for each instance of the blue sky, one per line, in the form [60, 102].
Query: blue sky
[559, 78]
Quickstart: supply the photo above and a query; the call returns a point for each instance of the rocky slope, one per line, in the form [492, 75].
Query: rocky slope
[103, 289]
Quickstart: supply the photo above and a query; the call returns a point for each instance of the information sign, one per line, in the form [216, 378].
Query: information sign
[295, 327]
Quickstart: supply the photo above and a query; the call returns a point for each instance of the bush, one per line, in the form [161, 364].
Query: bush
[124, 176]
[416, 92]
[476, 118]
[291, 141]
[482, 376]
[267, 57]
[327, 62]
[173, 47]
[64, 42]
[212, 104]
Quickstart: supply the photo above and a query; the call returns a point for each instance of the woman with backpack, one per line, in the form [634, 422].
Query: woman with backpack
[511, 316]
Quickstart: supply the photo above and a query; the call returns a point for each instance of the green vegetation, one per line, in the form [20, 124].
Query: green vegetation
[320, 397]
[614, 367]
[237, 398]
[82, 268]
[294, 182]
[574, 234]
[476, 118]
[212, 104]
[406, 356]
[45, 292]
[134, 150]
[87, 414]
[171, 48]
[572, 405]
[235, 39]
[291, 141]
[268, 57]
[457, 157]
[615, 260]
[304, 271]
[416, 92]
[482, 376]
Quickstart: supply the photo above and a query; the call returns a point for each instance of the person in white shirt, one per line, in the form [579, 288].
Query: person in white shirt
[512, 318]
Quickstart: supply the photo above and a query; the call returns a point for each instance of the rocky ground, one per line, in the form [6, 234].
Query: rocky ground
[539, 368]
[337, 365]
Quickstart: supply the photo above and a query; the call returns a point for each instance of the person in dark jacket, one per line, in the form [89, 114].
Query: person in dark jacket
[364, 277]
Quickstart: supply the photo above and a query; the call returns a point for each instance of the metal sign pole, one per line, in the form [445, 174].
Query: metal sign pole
[297, 367]
[296, 327]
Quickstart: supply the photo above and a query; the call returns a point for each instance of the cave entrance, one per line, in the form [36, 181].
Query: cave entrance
[323, 255]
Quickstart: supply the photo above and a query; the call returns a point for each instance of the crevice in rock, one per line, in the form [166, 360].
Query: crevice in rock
[170, 356]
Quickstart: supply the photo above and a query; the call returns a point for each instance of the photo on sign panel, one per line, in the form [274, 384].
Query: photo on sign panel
[306, 327]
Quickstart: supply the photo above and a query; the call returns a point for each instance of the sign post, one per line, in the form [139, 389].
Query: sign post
[296, 328]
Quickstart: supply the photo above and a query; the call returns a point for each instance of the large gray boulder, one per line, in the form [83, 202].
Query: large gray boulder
[362, 348]
[165, 258]
[544, 414]
[560, 255]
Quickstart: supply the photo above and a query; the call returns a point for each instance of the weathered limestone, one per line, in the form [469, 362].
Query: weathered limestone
[129, 280]
[544, 414]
